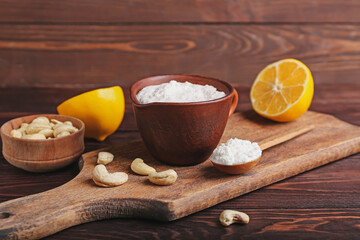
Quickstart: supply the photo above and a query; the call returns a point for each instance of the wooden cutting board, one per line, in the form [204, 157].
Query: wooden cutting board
[198, 187]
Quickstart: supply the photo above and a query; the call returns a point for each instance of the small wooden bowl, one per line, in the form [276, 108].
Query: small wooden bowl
[42, 155]
[236, 168]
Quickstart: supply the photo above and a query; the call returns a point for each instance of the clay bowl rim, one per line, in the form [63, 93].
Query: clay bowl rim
[138, 104]
[82, 128]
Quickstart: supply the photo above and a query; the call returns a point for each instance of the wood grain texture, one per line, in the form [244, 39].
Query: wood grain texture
[110, 11]
[104, 55]
[198, 187]
[333, 189]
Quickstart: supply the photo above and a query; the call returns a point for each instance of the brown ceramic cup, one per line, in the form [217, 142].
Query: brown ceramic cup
[183, 133]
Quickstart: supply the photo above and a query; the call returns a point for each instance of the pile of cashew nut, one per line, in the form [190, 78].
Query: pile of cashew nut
[103, 178]
[43, 128]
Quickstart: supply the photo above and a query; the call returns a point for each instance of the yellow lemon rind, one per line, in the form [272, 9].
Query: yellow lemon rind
[102, 129]
[296, 109]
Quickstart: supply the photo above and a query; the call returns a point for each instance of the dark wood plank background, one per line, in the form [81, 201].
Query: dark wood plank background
[103, 43]
[52, 50]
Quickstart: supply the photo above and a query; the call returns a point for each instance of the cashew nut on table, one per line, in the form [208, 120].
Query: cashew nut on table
[228, 217]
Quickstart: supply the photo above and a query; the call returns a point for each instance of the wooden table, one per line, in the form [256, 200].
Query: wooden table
[320, 204]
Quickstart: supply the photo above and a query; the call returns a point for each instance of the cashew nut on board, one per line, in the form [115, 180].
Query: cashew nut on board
[138, 166]
[105, 158]
[228, 217]
[103, 178]
[167, 177]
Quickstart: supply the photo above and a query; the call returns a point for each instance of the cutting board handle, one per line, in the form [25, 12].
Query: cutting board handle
[46, 213]
[76, 202]
[39, 215]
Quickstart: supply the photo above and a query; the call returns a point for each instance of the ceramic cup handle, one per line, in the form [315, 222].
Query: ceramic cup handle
[234, 103]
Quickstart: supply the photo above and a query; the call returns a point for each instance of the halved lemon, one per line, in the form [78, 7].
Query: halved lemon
[283, 90]
[102, 111]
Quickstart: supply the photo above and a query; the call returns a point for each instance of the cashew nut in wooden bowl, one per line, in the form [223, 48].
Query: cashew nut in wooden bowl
[42, 155]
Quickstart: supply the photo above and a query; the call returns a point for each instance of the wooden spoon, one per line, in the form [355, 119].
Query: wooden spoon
[264, 144]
